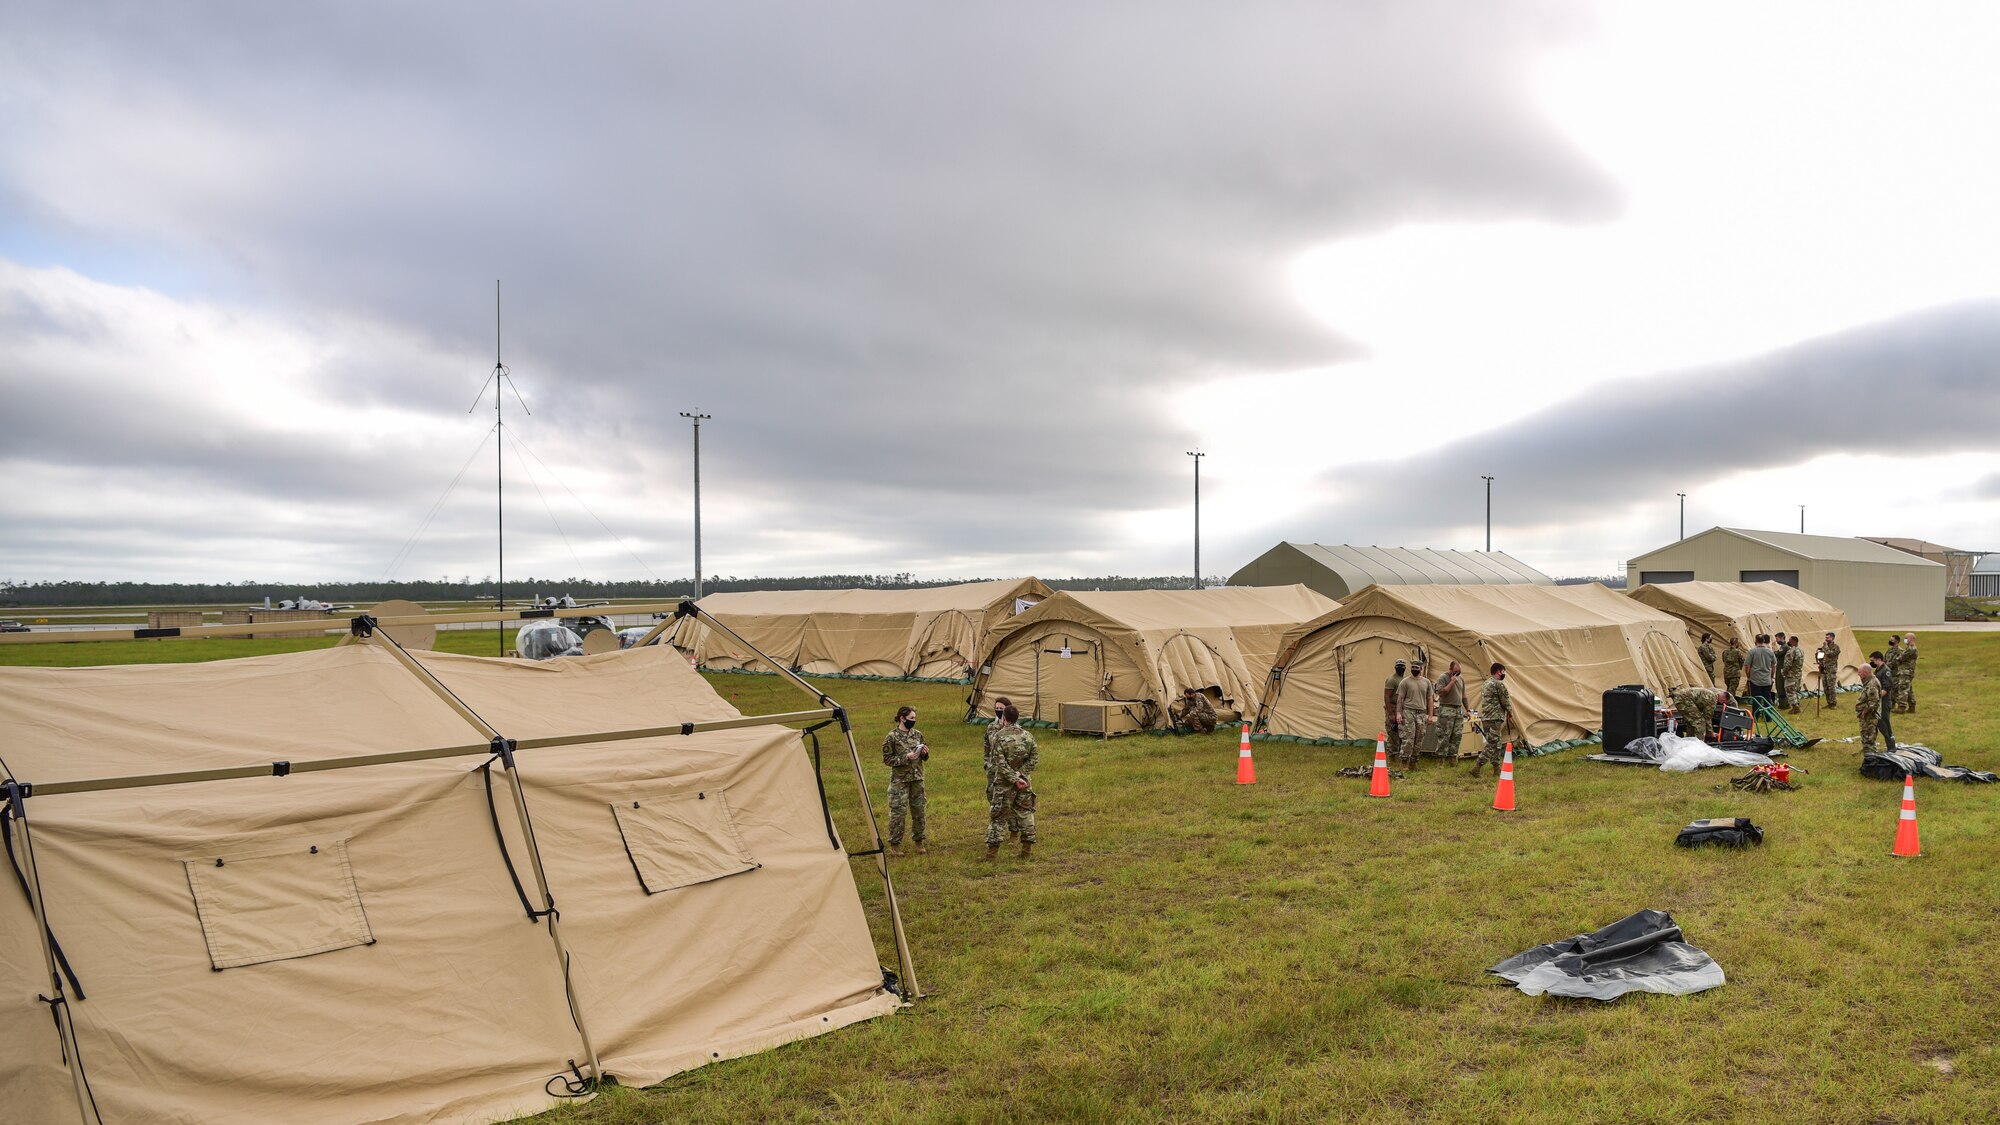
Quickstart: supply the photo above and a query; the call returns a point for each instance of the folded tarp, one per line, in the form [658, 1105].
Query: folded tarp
[1910, 758]
[1642, 952]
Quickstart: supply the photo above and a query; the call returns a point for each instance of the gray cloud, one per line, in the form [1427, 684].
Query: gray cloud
[1923, 384]
[855, 235]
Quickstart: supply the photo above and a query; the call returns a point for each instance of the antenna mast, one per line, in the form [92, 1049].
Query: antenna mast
[499, 377]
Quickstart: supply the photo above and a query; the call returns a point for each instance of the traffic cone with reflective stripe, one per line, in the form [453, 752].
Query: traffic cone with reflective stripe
[1246, 770]
[1503, 796]
[1378, 782]
[1906, 825]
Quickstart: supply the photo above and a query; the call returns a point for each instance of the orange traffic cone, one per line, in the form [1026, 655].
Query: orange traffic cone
[1906, 825]
[1503, 796]
[1246, 770]
[1378, 782]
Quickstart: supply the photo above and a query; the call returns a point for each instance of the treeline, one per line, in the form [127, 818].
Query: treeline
[518, 589]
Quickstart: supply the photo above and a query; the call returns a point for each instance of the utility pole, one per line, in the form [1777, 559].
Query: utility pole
[1684, 513]
[698, 418]
[1489, 511]
[1197, 455]
[1802, 519]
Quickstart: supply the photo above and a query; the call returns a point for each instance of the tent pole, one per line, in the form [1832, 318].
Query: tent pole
[908, 967]
[909, 970]
[65, 1022]
[505, 748]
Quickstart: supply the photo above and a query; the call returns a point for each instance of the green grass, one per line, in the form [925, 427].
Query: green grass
[1185, 949]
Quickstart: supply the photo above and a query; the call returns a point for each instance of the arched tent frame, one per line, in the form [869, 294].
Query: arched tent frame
[18, 794]
[1745, 609]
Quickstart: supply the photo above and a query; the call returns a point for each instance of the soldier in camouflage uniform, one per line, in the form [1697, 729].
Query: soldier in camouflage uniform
[1391, 721]
[1695, 709]
[1496, 714]
[1829, 668]
[1195, 712]
[1885, 676]
[905, 753]
[1867, 708]
[1011, 798]
[993, 729]
[1706, 650]
[1906, 676]
[1778, 673]
[1451, 712]
[1416, 702]
[1792, 668]
[1732, 667]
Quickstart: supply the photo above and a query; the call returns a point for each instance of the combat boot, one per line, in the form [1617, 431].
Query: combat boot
[921, 849]
[1027, 849]
[896, 850]
[992, 851]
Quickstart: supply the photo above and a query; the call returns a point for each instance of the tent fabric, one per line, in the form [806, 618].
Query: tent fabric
[931, 633]
[1142, 645]
[1563, 646]
[1745, 609]
[432, 998]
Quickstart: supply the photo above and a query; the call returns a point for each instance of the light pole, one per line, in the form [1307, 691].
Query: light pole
[1802, 519]
[698, 419]
[1684, 513]
[1197, 455]
[1489, 512]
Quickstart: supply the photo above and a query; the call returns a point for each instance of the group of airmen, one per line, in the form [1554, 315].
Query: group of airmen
[1011, 758]
[1412, 702]
[1888, 686]
[1888, 681]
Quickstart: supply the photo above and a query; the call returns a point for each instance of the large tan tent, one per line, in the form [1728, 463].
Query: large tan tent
[1143, 645]
[1563, 647]
[309, 943]
[931, 633]
[1745, 609]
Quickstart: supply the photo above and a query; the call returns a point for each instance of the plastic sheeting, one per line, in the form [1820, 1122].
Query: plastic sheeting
[1641, 952]
[1683, 755]
[546, 640]
[1912, 758]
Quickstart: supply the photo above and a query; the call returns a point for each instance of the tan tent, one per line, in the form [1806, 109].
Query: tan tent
[933, 633]
[1745, 609]
[1142, 645]
[306, 943]
[1563, 647]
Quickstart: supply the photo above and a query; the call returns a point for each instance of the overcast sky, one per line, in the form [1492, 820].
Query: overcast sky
[962, 284]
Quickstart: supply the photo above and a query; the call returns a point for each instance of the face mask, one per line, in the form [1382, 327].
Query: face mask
[909, 724]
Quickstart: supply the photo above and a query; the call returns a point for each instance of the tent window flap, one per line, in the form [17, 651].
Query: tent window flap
[275, 900]
[680, 840]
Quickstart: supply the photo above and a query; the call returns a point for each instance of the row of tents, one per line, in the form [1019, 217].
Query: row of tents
[1298, 664]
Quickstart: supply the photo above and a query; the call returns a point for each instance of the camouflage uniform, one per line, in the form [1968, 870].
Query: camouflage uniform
[1389, 716]
[1793, 671]
[1829, 670]
[993, 732]
[1413, 700]
[1707, 654]
[1732, 670]
[1866, 709]
[1451, 719]
[907, 801]
[1196, 713]
[1696, 710]
[1496, 704]
[1905, 674]
[1014, 756]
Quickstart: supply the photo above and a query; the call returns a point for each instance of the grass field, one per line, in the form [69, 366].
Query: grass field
[1185, 949]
